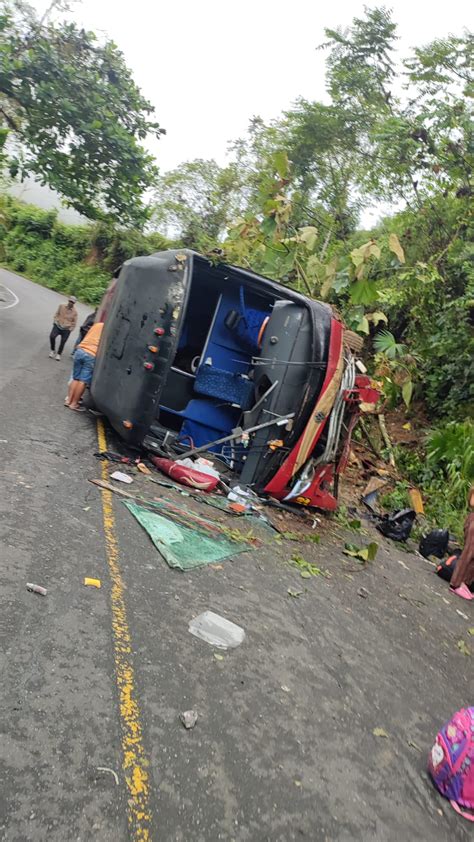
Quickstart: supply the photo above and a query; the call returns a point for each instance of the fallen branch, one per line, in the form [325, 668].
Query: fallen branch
[386, 438]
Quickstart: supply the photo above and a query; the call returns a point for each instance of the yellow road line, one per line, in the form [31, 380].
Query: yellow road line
[134, 761]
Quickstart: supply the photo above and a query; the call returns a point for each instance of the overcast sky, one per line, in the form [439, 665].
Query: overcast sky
[210, 65]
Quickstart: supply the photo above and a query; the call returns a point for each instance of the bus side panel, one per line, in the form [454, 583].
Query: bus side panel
[139, 342]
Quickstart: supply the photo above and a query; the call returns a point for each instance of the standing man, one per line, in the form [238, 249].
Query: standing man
[64, 321]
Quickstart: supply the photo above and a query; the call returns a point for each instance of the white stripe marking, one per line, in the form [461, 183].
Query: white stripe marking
[7, 306]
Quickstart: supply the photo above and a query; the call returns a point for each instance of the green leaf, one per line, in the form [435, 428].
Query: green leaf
[407, 392]
[268, 226]
[363, 326]
[281, 163]
[309, 236]
[305, 574]
[372, 550]
[330, 277]
[363, 292]
[363, 253]
[341, 281]
[471, 631]
[367, 553]
[380, 732]
[395, 246]
[377, 317]
[463, 648]
[385, 343]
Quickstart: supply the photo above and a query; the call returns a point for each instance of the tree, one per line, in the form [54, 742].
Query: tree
[75, 117]
[196, 202]
[424, 147]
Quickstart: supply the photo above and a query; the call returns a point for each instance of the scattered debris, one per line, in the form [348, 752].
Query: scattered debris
[143, 468]
[398, 525]
[297, 783]
[412, 744]
[239, 508]
[184, 540]
[412, 600]
[285, 688]
[363, 554]
[471, 631]
[462, 614]
[36, 588]
[218, 657]
[242, 496]
[416, 501]
[216, 630]
[188, 718]
[192, 477]
[306, 568]
[446, 567]
[403, 564]
[121, 477]
[111, 771]
[379, 732]
[110, 456]
[434, 543]
[101, 483]
[86, 508]
[374, 484]
[363, 592]
[93, 583]
[463, 647]
[293, 593]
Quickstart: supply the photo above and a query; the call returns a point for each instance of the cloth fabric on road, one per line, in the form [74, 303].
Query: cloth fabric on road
[181, 546]
[83, 366]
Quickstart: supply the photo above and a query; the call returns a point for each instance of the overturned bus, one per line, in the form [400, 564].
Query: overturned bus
[193, 353]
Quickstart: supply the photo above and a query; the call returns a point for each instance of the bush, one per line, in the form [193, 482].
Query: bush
[75, 259]
[444, 471]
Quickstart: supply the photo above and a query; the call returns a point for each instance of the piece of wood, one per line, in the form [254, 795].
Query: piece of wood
[109, 487]
[386, 438]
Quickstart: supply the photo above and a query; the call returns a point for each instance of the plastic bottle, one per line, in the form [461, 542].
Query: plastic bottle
[36, 588]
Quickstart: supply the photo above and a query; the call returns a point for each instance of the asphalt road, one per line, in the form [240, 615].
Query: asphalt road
[283, 748]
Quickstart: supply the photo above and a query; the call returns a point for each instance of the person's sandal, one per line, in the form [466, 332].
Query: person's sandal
[463, 591]
[76, 408]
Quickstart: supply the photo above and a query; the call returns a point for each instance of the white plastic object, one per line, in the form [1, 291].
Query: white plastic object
[121, 477]
[216, 630]
[203, 466]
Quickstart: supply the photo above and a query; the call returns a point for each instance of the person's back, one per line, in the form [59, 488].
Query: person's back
[90, 343]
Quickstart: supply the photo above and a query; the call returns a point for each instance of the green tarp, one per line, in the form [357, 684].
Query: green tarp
[182, 546]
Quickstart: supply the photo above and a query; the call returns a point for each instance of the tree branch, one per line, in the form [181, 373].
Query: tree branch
[10, 120]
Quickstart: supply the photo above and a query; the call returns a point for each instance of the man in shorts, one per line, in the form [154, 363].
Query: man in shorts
[83, 367]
